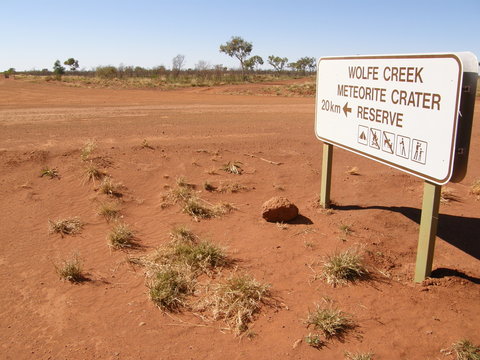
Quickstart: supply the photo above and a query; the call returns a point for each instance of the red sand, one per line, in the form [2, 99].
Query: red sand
[111, 317]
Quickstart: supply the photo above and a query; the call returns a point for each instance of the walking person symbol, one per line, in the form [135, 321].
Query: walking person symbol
[402, 144]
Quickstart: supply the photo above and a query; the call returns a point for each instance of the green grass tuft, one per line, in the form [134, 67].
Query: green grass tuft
[168, 289]
[330, 321]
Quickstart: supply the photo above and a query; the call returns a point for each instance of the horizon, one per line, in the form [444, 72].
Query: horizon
[151, 33]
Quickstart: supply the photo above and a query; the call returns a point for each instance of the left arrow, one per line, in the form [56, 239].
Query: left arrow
[346, 109]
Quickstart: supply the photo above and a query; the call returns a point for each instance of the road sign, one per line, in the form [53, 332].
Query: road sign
[400, 110]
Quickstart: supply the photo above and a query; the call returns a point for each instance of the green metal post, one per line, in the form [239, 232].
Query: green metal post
[428, 230]
[326, 175]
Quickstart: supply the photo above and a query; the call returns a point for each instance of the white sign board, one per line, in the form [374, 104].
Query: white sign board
[400, 110]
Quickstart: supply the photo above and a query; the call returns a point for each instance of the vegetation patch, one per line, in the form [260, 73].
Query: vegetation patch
[237, 300]
[70, 269]
[168, 289]
[109, 210]
[182, 234]
[69, 226]
[329, 321]
[475, 188]
[358, 356]
[233, 167]
[108, 187]
[176, 280]
[49, 172]
[87, 149]
[92, 173]
[343, 267]
[465, 350]
[121, 236]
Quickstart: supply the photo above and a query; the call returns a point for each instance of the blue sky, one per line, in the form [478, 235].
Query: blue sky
[149, 33]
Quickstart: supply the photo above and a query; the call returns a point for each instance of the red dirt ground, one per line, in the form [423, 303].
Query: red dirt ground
[111, 316]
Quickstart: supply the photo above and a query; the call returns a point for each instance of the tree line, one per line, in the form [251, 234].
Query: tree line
[237, 48]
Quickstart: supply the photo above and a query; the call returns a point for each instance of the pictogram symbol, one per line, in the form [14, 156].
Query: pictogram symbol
[419, 151]
[375, 135]
[388, 142]
[362, 135]
[403, 146]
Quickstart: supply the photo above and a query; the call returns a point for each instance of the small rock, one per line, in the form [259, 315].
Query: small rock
[279, 209]
[142, 324]
[296, 343]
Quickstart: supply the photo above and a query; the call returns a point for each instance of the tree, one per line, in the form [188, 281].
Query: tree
[58, 69]
[253, 62]
[177, 64]
[239, 48]
[277, 62]
[304, 64]
[72, 63]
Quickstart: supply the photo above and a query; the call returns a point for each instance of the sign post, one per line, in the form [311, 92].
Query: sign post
[428, 231]
[326, 176]
[403, 111]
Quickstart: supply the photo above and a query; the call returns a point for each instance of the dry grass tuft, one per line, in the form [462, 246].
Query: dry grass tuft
[465, 350]
[182, 234]
[233, 167]
[187, 253]
[69, 226]
[110, 211]
[330, 321]
[92, 173]
[209, 187]
[198, 210]
[108, 187]
[87, 149]
[71, 269]
[343, 267]
[146, 145]
[358, 356]
[50, 172]
[314, 340]
[121, 236]
[168, 289]
[475, 188]
[232, 188]
[237, 300]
